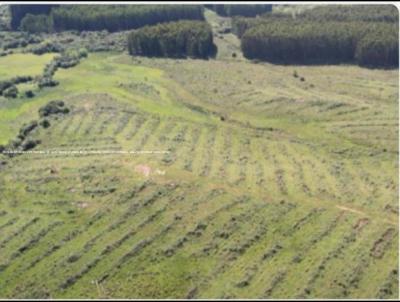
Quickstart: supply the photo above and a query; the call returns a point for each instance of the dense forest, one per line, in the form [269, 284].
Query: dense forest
[100, 17]
[363, 34]
[120, 17]
[246, 10]
[374, 13]
[36, 23]
[174, 39]
[324, 13]
[18, 12]
[350, 37]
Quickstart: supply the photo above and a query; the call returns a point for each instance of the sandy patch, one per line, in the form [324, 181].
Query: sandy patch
[143, 169]
[82, 205]
[146, 170]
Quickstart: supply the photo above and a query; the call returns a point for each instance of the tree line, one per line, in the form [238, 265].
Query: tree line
[175, 39]
[324, 13]
[99, 17]
[371, 13]
[311, 39]
[19, 11]
[246, 10]
[36, 23]
[68, 58]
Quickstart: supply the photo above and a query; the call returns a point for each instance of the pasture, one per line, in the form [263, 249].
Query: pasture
[280, 181]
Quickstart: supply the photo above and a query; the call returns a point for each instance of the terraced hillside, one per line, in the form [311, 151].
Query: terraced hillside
[276, 182]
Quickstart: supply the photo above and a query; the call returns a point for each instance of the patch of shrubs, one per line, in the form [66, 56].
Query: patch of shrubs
[24, 140]
[47, 82]
[73, 258]
[26, 129]
[46, 48]
[45, 123]
[5, 85]
[29, 144]
[6, 53]
[22, 79]
[53, 107]
[11, 92]
[67, 59]
[8, 88]
[29, 94]
[11, 40]
[91, 40]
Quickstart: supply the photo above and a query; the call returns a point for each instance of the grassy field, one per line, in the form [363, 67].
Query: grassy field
[273, 186]
[23, 64]
[279, 181]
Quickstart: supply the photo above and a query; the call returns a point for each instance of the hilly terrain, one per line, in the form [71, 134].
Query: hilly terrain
[152, 177]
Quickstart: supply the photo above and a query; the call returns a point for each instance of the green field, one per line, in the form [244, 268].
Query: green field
[279, 181]
[292, 194]
[23, 64]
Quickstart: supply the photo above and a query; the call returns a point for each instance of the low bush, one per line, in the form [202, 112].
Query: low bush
[29, 94]
[53, 107]
[26, 129]
[29, 144]
[45, 123]
[11, 92]
[46, 48]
